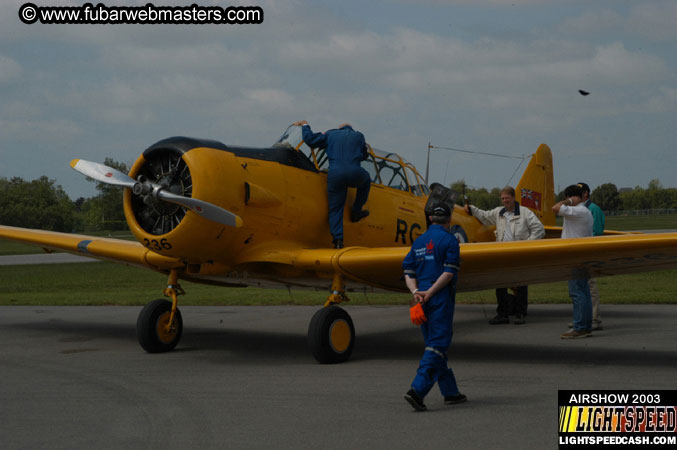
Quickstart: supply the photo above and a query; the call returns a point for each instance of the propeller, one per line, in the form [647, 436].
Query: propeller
[149, 190]
[103, 173]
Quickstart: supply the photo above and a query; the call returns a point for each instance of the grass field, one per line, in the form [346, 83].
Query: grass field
[113, 284]
[649, 222]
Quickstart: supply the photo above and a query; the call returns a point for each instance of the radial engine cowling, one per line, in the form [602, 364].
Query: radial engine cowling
[183, 167]
[168, 170]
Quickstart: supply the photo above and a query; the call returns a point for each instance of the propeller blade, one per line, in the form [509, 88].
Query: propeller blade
[108, 175]
[102, 173]
[202, 208]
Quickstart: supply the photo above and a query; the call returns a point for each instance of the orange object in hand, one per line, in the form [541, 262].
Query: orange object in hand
[417, 314]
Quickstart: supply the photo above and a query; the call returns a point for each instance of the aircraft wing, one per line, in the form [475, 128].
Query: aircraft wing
[483, 265]
[117, 250]
[506, 264]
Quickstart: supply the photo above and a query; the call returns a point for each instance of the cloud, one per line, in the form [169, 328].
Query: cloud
[663, 101]
[400, 79]
[29, 130]
[592, 22]
[10, 70]
[486, 76]
[655, 20]
[415, 60]
[614, 63]
[206, 57]
[651, 20]
[269, 99]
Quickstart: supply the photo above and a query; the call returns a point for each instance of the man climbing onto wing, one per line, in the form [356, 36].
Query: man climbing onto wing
[346, 148]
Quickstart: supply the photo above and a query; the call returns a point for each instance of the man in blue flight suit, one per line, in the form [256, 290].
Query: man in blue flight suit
[430, 272]
[345, 149]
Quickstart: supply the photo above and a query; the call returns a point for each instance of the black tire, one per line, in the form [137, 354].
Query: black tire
[331, 335]
[458, 231]
[150, 327]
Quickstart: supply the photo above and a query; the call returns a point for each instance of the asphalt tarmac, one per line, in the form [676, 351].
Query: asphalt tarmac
[43, 258]
[242, 378]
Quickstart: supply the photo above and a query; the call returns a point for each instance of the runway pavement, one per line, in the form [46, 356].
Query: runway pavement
[43, 258]
[242, 378]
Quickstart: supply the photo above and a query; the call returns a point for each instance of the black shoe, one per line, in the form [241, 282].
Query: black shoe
[519, 319]
[359, 216]
[455, 399]
[414, 400]
[499, 320]
[338, 243]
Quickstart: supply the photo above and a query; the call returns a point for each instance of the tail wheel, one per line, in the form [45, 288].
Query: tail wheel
[331, 335]
[458, 231]
[151, 327]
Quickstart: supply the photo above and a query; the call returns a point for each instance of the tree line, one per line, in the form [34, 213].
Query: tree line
[607, 196]
[654, 196]
[43, 204]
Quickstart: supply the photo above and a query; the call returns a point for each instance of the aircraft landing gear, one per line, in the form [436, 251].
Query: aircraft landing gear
[331, 334]
[160, 325]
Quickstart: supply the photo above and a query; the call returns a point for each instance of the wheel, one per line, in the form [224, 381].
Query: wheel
[458, 231]
[151, 327]
[331, 335]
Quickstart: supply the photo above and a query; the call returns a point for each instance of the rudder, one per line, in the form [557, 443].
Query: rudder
[536, 188]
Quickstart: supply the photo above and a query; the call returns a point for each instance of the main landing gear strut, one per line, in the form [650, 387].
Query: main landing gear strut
[331, 334]
[159, 325]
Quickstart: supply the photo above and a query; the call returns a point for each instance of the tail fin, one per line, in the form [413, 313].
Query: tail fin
[536, 189]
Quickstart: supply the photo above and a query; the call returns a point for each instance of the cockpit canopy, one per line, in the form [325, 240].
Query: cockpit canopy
[384, 168]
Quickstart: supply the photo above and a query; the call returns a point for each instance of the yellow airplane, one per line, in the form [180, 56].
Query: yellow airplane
[236, 216]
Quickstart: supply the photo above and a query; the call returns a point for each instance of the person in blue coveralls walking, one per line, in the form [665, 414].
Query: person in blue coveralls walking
[430, 272]
[345, 149]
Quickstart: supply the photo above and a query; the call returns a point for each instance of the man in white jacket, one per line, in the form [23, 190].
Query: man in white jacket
[513, 223]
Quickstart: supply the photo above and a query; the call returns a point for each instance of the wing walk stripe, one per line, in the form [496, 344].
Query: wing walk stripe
[82, 246]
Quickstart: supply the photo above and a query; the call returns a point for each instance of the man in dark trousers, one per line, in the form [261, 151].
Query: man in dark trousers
[345, 149]
[513, 222]
[430, 272]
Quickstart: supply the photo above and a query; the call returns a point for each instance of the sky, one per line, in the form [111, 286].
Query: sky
[496, 76]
